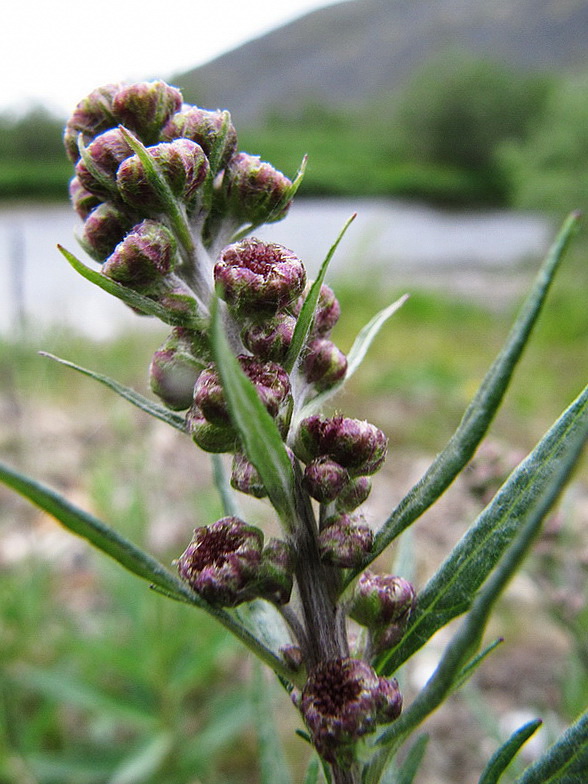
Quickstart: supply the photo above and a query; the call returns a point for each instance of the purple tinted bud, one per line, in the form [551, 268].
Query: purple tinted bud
[326, 313]
[177, 298]
[355, 444]
[82, 200]
[343, 700]
[182, 163]
[382, 599]
[256, 191]
[91, 116]
[210, 437]
[324, 479]
[222, 561]
[104, 228]
[245, 477]
[270, 339]
[145, 107]
[173, 371]
[324, 364]
[353, 494]
[258, 278]
[345, 542]
[207, 129]
[145, 256]
[104, 155]
[276, 573]
[292, 655]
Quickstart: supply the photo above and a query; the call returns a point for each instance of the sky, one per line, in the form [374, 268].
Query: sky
[56, 52]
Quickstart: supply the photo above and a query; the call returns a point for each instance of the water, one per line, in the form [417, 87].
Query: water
[472, 254]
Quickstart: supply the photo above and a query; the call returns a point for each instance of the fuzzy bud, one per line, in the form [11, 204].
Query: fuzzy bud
[97, 170]
[222, 561]
[326, 313]
[104, 228]
[324, 479]
[258, 278]
[324, 364]
[174, 369]
[245, 477]
[343, 700]
[345, 542]
[145, 256]
[82, 200]
[270, 339]
[91, 116]
[145, 107]
[256, 191]
[276, 572]
[353, 494]
[213, 131]
[381, 599]
[208, 436]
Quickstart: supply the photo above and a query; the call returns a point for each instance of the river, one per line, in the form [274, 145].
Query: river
[487, 255]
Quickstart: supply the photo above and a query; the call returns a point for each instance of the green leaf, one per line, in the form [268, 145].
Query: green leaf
[473, 665]
[272, 762]
[312, 771]
[452, 588]
[130, 297]
[306, 316]
[566, 762]
[367, 334]
[149, 406]
[406, 773]
[259, 434]
[144, 762]
[504, 755]
[481, 410]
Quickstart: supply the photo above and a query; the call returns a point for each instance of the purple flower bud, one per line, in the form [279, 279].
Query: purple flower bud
[324, 479]
[105, 154]
[270, 339]
[292, 655]
[276, 573]
[174, 369]
[326, 313]
[245, 477]
[145, 107]
[208, 436]
[91, 116]
[353, 494]
[206, 129]
[355, 444]
[256, 191]
[324, 364]
[177, 298]
[145, 256]
[270, 380]
[182, 163]
[82, 200]
[345, 542]
[222, 561]
[343, 700]
[382, 599]
[104, 228]
[258, 278]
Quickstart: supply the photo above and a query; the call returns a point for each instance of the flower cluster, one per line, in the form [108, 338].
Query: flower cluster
[166, 199]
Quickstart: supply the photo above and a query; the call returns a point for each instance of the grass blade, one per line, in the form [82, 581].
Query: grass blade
[566, 762]
[504, 755]
[481, 410]
[149, 406]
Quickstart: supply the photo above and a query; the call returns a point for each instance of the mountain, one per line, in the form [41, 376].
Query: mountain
[347, 53]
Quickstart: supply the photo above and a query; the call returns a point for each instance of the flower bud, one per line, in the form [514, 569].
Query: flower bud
[97, 172]
[258, 278]
[206, 129]
[245, 477]
[145, 256]
[324, 364]
[173, 371]
[145, 107]
[326, 313]
[324, 479]
[91, 116]
[276, 573]
[222, 561]
[293, 657]
[104, 228]
[208, 436]
[270, 339]
[344, 542]
[82, 200]
[256, 192]
[343, 700]
[381, 599]
[353, 494]
[182, 163]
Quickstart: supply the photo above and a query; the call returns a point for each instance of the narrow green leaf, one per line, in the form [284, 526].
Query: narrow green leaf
[225, 491]
[312, 771]
[473, 665]
[406, 773]
[144, 762]
[367, 334]
[130, 297]
[504, 755]
[149, 406]
[566, 762]
[272, 762]
[259, 434]
[451, 589]
[481, 410]
[306, 316]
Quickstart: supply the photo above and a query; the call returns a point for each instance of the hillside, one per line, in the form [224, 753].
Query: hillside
[358, 49]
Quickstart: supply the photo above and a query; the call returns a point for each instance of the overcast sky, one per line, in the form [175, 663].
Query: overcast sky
[57, 51]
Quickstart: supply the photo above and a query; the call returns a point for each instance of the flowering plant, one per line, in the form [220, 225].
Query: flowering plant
[169, 207]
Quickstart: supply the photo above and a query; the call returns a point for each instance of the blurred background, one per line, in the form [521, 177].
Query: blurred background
[458, 131]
